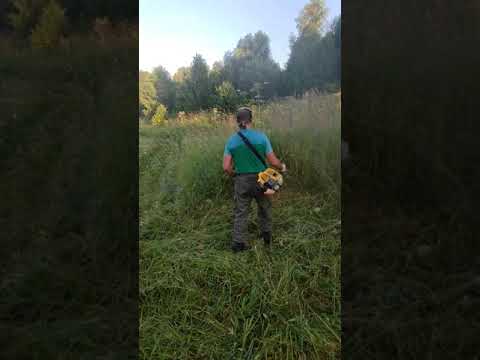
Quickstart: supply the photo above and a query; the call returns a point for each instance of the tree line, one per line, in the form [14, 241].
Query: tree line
[248, 73]
[48, 24]
[80, 14]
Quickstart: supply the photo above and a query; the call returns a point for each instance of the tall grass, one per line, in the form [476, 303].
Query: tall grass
[199, 301]
[65, 136]
[305, 134]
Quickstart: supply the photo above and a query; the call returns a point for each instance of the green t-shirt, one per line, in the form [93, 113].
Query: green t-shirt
[245, 161]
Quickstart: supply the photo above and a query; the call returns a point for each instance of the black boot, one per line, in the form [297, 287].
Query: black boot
[236, 247]
[267, 238]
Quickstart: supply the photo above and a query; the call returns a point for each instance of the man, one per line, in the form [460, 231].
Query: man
[240, 162]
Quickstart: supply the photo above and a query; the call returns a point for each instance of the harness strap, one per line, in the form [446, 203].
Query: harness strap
[252, 148]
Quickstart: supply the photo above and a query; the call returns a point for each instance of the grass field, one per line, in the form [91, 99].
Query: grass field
[200, 301]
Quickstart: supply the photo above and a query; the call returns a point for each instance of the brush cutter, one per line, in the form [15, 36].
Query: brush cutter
[270, 180]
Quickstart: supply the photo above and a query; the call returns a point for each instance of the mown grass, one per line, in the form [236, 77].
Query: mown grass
[200, 301]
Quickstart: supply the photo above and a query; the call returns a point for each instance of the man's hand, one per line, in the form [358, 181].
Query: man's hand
[284, 168]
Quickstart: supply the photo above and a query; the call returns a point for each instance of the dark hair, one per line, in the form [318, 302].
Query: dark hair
[244, 116]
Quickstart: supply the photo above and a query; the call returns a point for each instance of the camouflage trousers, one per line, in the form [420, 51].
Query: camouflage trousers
[245, 190]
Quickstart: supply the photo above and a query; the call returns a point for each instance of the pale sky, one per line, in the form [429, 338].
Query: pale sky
[172, 32]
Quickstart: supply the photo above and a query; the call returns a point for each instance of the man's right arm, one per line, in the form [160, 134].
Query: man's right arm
[275, 162]
[272, 158]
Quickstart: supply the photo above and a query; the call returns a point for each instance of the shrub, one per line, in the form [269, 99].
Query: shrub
[25, 15]
[48, 32]
[160, 115]
[228, 98]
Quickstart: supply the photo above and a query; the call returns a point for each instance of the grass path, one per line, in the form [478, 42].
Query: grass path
[201, 301]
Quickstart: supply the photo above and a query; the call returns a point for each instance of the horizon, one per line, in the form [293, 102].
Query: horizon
[227, 30]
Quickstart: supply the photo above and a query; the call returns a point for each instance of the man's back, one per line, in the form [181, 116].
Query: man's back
[244, 159]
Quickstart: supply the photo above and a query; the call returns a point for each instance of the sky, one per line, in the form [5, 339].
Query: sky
[172, 32]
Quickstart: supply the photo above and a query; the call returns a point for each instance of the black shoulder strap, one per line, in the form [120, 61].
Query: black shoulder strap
[250, 146]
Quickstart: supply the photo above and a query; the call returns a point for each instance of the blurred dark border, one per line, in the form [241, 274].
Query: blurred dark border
[69, 186]
[410, 268]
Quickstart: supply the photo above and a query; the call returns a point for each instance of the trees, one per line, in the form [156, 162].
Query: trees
[199, 83]
[147, 96]
[154, 88]
[194, 91]
[181, 90]
[227, 97]
[314, 60]
[164, 87]
[332, 47]
[25, 15]
[337, 41]
[181, 74]
[48, 31]
[250, 66]
[217, 74]
[312, 18]
[248, 72]
[82, 13]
